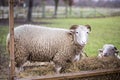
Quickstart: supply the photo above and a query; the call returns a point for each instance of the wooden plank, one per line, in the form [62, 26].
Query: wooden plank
[82, 74]
[11, 31]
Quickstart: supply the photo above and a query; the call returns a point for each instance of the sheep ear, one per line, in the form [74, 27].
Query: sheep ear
[71, 32]
[117, 51]
[100, 50]
[115, 48]
[73, 27]
[88, 26]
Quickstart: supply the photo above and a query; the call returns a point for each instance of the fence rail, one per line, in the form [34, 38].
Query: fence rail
[82, 74]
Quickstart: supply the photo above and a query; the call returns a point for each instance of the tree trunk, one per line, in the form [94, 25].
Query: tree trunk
[66, 8]
[70, 10]
[56, 8]
[3, 2]
[43, 8]
[29, 15]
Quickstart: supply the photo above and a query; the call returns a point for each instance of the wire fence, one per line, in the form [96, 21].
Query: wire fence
[75, 12]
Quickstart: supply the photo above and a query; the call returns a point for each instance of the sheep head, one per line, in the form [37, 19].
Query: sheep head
[108, 50]
[80, 33]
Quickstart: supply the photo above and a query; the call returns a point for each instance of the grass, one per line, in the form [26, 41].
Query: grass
[104, 31]
[3, 34]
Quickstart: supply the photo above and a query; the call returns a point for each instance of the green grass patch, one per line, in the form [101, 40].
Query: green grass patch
[3, 33]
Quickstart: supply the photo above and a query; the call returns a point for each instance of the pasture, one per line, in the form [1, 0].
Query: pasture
[104, 31]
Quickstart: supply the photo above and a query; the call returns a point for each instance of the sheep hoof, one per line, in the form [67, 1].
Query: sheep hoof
[58, 69]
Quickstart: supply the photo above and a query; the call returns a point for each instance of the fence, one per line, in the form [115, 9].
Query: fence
[19, 12]
[77, 12]
[82, 74]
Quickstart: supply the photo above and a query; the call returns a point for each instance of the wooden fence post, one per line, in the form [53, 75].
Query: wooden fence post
[11, 31]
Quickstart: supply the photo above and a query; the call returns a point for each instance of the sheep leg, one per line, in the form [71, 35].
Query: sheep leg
[57, 69]
[19, 69]
[83, 54]
[57, 64]
[77, 58]
[20, 63]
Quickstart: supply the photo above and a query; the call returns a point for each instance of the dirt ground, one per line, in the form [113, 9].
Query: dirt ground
[4, 62]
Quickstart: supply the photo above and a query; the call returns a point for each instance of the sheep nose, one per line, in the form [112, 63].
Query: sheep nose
[83, 43]
[105, 54]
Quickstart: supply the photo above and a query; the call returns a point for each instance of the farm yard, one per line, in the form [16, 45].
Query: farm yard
[104, 30]
[100, 17]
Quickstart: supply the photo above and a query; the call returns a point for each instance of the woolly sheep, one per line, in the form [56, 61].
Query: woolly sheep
[108, 50]
[43, 44]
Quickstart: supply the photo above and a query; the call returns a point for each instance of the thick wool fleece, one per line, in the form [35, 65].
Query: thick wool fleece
[36, 43]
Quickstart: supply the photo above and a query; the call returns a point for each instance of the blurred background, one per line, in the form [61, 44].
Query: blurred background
[102, 15]
[61, 8]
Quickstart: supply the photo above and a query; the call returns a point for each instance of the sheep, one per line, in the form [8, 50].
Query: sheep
[43, 44]
[108, 50]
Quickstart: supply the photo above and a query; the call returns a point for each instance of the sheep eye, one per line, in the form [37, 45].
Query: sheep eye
[76, 32]
[87, 32]
[112, 49]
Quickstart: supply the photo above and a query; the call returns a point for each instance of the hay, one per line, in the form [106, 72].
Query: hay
[38, 71]
[86, 64]
[101, 63]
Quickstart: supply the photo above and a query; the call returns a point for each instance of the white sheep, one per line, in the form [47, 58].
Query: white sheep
[108, 50]
[43, 44]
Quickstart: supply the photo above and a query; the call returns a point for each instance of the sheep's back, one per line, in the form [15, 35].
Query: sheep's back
[42, 43]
